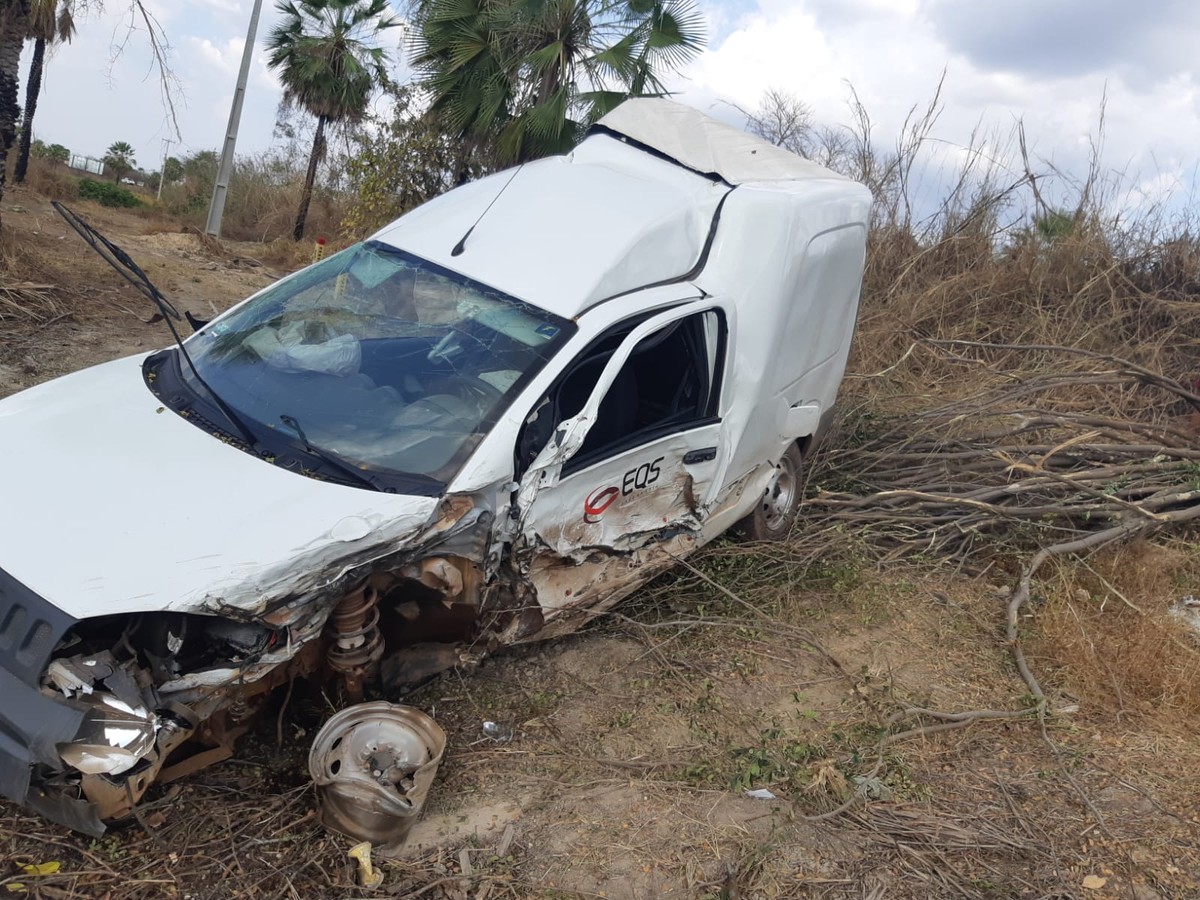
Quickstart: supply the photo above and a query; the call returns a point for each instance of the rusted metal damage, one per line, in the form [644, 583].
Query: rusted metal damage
[171, 693]
[168, 694]
[356, 643]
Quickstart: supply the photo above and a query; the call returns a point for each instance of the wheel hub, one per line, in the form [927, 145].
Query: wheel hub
[780, 495]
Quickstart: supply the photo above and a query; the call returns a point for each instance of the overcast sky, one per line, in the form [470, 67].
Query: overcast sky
[1048, 62]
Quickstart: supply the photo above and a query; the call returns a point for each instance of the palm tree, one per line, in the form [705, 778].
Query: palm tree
[14, 16]
[49, 21]
[328, 59]
[533, 74]
[119, 158]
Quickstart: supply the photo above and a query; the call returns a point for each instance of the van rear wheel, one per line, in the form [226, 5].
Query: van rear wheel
[772, 518]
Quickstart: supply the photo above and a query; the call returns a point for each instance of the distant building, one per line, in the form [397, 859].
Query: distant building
[87, 163]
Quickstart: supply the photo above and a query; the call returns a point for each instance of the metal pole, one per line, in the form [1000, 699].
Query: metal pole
[162, 170]
[216, 209]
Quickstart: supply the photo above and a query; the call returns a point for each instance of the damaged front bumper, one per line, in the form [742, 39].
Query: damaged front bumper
[32, 724]
[87, 753]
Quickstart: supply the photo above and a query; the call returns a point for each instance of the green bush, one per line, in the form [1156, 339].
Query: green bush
[106, 193]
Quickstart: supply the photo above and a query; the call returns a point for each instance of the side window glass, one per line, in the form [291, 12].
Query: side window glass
[670, 382]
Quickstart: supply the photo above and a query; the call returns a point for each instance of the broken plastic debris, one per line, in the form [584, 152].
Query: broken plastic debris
[761, 794]
[497, 732]
[1187, 610]
[33, 869]
[46, 868]
[60, 675]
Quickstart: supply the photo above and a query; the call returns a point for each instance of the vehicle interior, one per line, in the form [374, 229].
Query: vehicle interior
[670, 381]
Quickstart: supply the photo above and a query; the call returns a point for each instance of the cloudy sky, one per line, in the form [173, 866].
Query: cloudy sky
[1050, 63]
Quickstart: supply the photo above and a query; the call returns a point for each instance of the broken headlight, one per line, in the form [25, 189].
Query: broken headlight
[112, 738]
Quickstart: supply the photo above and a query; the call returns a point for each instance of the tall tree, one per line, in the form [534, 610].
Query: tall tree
[119, 159]
[533, 74]
[14, 28]
[49, 21]
[14, 25]
[328, 57]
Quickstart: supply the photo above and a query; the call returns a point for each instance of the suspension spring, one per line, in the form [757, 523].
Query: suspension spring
[357, 642]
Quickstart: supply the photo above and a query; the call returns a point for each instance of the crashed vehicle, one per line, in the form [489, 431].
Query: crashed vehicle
[484, 425]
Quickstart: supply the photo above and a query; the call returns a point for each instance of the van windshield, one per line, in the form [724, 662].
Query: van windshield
[377, 357]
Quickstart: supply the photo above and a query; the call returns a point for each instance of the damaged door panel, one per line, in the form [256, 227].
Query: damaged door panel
[629, 482]
[487, 423]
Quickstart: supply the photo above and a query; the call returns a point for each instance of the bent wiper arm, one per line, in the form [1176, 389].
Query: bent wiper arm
[132, 272]
[121, 261]
[332, 460]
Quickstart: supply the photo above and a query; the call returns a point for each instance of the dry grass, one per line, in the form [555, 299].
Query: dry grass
[51, 180]
[29, 293]
[262, 201]
[1104, 628]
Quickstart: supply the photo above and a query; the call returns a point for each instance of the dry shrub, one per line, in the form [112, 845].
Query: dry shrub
[27, 285]
[1074, 291]
[1024, 258]
[287, 254]
[52, 180]
[1138, 661]
[262, 201]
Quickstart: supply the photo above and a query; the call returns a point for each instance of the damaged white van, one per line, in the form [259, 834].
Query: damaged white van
[492, 420]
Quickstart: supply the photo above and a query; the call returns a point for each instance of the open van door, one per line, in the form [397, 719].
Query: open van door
[630, 445]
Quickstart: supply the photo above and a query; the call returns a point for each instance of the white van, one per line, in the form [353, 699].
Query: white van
[487, 423]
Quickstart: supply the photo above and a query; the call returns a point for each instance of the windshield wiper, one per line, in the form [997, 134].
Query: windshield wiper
[360, 476]
[132, 272]
[121, 261]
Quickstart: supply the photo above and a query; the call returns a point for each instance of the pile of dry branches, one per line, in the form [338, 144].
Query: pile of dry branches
[27, 301]
[1092, 452]
[1056, 460]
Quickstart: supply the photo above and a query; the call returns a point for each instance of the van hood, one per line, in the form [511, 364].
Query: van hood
[110, 503]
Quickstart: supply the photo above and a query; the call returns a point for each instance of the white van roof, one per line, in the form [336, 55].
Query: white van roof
[705, 145]
[633, 205]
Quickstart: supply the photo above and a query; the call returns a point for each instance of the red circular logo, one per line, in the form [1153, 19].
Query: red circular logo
[598, 501]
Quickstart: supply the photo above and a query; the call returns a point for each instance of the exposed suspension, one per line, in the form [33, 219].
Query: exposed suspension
[357, 643]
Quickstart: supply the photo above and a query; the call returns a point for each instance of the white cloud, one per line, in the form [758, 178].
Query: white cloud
[893, 51]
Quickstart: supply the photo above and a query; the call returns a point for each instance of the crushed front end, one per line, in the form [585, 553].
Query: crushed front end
[33, 722]
[92, 710]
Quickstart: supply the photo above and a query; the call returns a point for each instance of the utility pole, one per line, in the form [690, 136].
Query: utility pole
[162, 170]
[216, 209]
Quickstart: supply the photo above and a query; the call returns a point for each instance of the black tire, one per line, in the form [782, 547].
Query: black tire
[773, 515]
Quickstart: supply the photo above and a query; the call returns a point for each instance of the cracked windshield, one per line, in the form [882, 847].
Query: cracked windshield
[378, 357]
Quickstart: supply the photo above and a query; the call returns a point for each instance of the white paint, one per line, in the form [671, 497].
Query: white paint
[633, 220]
[110, 503]
[705, 145]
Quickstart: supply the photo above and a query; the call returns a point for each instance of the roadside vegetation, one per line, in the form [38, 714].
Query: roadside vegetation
[974, 669]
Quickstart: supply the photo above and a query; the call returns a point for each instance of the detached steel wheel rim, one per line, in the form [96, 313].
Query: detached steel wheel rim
[780, 496]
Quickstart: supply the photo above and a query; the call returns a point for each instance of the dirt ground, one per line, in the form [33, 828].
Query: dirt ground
[635, 744]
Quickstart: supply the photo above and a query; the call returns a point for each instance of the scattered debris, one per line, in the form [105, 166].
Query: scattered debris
[761, 794]
[1187, 610]
[368, 875]
[494, 731]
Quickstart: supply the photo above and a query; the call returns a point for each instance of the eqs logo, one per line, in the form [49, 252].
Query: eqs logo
[636, 479]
